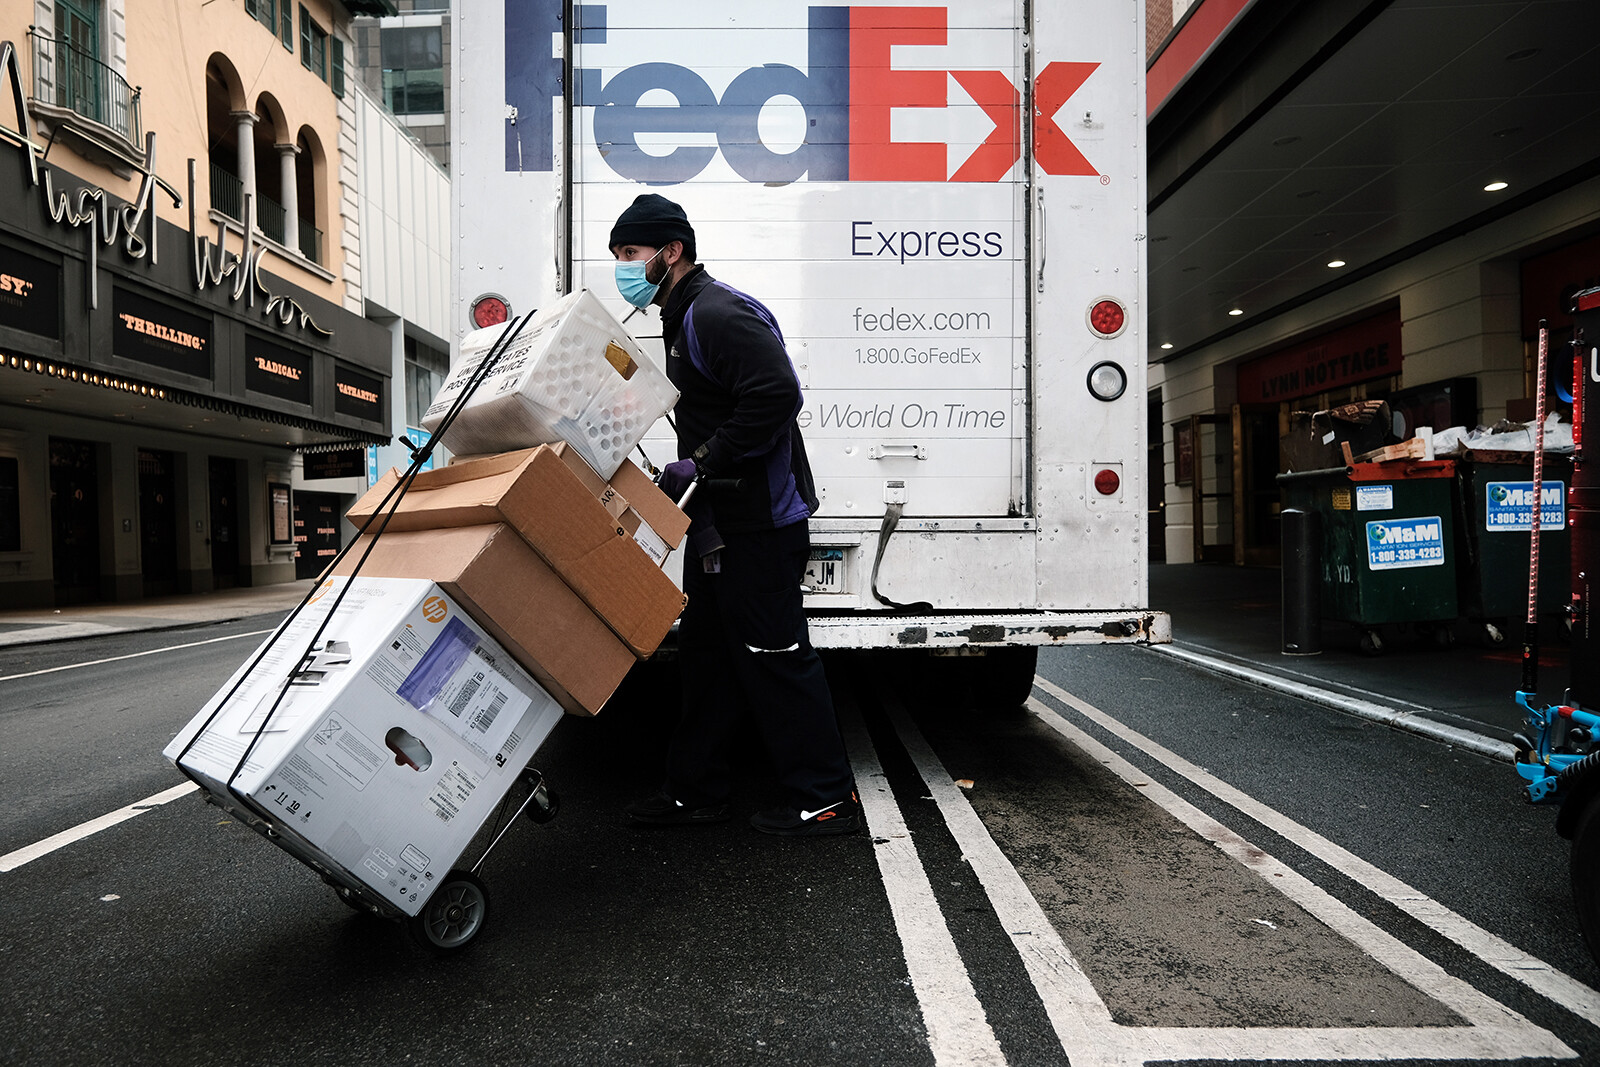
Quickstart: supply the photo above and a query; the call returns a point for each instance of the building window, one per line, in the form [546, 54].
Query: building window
[313, 46]
[426, 370]
[337, 71]
[413, 69]
[264, 12]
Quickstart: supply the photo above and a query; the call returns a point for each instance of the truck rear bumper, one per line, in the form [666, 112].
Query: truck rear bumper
[1138, 627]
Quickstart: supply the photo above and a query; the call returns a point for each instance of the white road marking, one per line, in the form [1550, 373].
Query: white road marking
[132, 655]
[1083, 1022]
[1533, 972]
[12, 860]
[1413, 721]
[958, 1030]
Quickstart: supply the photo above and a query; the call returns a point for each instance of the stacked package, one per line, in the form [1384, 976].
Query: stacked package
[379, 759]
[503, 591]
[561, 566]
[572, 374]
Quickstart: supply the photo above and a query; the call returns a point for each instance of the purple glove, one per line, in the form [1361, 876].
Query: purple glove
[675, 477]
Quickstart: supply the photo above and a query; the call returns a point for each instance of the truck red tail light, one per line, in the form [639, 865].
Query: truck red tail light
[490, 310]
[1107, 318]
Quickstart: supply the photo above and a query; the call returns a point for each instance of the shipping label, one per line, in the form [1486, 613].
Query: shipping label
[453, 791]
[1394, 544]
[1508, 507]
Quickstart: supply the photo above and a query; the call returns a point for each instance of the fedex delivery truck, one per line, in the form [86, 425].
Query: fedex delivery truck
[944, 207]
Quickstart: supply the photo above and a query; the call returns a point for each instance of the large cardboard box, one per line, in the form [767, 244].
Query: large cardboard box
[573, 519]
[516, 597]
[389, 752]
[572, 374]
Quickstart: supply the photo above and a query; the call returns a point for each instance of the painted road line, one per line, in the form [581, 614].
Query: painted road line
[1074, 1008]
[133, 655]
[958, 1030]
[12, 860]
[1081, 1018]
[1409, 721]
[1539, 976]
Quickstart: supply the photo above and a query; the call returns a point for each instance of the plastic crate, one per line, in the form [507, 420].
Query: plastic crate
[573, 374]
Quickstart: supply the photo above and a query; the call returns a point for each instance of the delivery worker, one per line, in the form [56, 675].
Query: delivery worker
[742, 639]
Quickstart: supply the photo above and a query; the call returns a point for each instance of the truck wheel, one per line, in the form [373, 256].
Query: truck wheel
[454, 915]
[1003, 677]
[1586, 874]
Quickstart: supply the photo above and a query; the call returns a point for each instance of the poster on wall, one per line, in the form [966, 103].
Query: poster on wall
[30, 293]
[280, 533]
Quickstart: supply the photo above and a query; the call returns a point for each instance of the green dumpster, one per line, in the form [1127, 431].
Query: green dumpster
[1388, 551]
[1495, 534]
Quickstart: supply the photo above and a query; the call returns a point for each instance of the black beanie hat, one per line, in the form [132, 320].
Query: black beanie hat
[654, 221]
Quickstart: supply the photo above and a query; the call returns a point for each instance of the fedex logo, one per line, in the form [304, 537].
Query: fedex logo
[847, 92]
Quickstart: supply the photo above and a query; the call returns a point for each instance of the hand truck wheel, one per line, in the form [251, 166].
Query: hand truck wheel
[454, 915]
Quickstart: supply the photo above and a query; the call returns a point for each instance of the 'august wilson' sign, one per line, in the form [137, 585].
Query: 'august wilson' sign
[105, 223]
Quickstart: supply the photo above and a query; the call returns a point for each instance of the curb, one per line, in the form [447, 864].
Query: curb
[1410, 721]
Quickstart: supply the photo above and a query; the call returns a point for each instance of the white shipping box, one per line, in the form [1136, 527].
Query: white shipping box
[387, 755]
[573, 374]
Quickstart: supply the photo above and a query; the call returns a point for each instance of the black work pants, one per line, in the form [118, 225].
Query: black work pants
[745, 651]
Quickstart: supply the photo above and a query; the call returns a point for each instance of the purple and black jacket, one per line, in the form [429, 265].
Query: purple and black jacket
[740, 398]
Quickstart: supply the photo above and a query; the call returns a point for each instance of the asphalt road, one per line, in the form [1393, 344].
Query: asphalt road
[1148, 863]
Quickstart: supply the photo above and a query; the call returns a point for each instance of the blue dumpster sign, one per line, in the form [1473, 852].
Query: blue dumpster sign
[1396, 543]
[1509, 507]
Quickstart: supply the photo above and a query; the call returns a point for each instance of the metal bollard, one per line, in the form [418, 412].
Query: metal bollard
[1302, 582]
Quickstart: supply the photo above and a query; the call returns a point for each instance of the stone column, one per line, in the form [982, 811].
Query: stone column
[291, 195]
[246, 121]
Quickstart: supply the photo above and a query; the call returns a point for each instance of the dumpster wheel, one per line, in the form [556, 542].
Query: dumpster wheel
[454, 915]
[1371, 643]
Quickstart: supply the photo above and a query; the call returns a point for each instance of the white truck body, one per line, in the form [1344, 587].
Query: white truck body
[931, 200]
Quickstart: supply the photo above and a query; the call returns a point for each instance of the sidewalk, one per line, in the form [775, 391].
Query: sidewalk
[1233, 614]
[163, 613]
[1220, 614]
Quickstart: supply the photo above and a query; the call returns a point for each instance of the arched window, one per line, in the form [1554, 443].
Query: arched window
[311, 169]
[274, 194]
[224, 103]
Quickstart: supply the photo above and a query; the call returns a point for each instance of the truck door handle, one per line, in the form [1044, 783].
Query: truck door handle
[894, 450]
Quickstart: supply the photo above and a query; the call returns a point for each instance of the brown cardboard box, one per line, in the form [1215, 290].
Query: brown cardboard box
[512, 593]
[571, 518]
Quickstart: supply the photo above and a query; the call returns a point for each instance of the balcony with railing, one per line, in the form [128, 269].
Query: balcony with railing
[227, 198]
[75, 89]
[227, 193]
[311, 242]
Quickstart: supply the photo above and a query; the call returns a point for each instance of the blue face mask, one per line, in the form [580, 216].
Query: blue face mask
[635, 288]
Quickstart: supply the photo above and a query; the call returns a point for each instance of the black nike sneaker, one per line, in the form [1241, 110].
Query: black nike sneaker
[840, 817]
[661, 810]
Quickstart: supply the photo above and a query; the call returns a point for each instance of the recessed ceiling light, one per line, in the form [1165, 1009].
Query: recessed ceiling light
[1167, 345]
[1236, 311]
[1335, 263]
[1494, 187]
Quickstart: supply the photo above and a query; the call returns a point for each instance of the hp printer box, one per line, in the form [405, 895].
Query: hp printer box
[390, 747]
